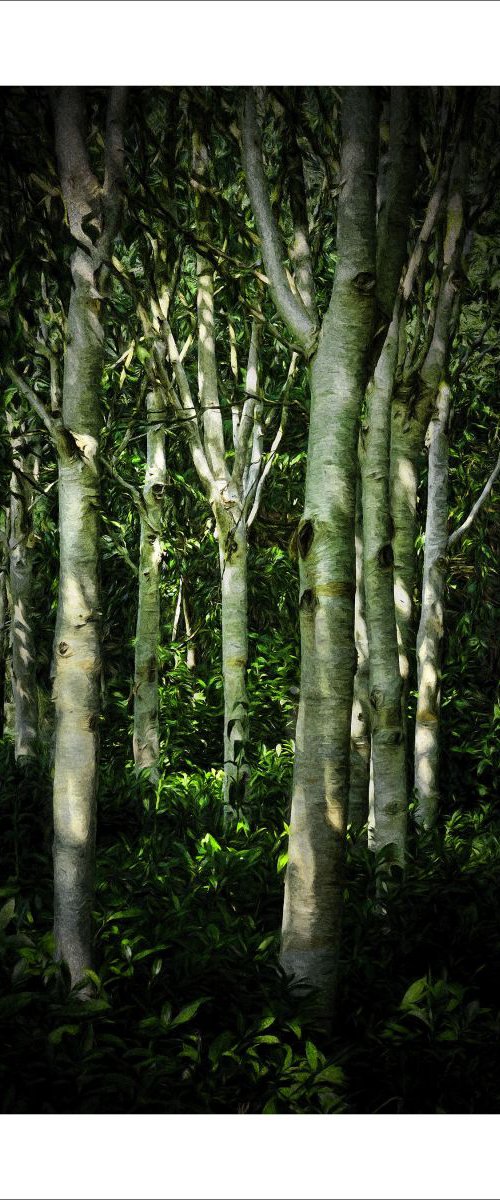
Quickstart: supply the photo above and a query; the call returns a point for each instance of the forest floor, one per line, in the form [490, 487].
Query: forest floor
[191, 1013]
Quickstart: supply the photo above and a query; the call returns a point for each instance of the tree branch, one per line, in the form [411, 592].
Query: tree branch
[289, 306]
[60, 436]
[458, 533]
[247, 417]
[213, 431]
[300, 251]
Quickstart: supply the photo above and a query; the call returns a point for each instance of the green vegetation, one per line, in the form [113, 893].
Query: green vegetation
[177, 1001]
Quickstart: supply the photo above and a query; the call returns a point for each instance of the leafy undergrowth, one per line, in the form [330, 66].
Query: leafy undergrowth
[191, 1013]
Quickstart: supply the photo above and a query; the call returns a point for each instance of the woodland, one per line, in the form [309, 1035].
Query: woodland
[249, 600]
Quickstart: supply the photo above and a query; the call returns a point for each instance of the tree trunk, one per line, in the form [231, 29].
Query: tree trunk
[388, 749]
[77, 658]
[431, 627]
[77, 650]
[146, 741]
[233, 566]
[24, 691]
[360, 720]
[314, 878]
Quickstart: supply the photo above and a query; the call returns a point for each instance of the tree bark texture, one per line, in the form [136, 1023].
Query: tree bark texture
[360, 720]
[435, 392]
[146, 738]
[91, 210]
[388, 749]
[314, 878]
[233, 567]
[431, 627]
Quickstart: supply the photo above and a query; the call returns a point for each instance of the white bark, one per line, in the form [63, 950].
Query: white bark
[431, 627]
[314, 878]
[146, 739]
[77, 644]
[388, 749]
[458, 533]
[360, 719]
[289, 305]
[434, 387]
[233, 566]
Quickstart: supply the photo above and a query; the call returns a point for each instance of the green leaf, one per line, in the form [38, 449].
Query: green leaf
[7, 912]
[331, 1074]
[189, 1011]
[268, 1038]
[267, 1021]
[312, 1055]
[56, 1036]
[414, 993]
[87, 1008]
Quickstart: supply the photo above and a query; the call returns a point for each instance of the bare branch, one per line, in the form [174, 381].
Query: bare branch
[289, 306]
[458, 533]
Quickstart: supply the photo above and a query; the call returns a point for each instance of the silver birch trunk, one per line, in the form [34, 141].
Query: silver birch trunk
[431, 626]
[146, 738]
[24, 687]
[314, 878]
[360, 720]
[388, 749]
[233, 567]
[77, 658]
[436, 392]
[375, 601]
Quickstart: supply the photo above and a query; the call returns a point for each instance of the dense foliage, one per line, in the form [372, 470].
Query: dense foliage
[190, 1011]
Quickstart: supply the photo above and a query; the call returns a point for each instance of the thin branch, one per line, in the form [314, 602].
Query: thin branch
[458, 533]
[256, 483]
[187, 408]
[60, 436]
[111, 470]
[247, 417]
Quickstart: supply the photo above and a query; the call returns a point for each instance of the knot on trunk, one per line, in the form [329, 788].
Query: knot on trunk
[364, 282]
[308, 601]
[385, 557]
[305, 538]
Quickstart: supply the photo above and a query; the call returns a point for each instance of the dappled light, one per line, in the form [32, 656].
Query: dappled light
[249, 718]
